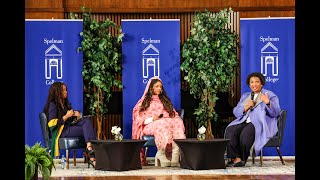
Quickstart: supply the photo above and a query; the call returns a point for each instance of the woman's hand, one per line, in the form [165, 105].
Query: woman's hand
[248, 105]
[76, 113]
[68, 114]
[265, 98]
[154, 118]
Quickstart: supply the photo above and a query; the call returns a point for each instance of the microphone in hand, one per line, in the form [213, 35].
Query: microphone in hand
[252, 97]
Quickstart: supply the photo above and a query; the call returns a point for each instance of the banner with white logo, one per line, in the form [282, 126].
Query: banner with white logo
[268, 46]
[151, 47]
[50, 56]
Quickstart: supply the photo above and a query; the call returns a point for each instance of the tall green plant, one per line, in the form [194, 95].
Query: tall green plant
[209, 62]
[102, 64]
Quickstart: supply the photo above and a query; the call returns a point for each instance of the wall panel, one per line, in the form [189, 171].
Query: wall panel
[44, 9]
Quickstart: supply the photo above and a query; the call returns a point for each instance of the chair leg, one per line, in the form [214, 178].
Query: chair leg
[280, 155]
[67, 157]
[74, 157]
[145, 154]
[253, 154]
[85, 157]
[261, 158]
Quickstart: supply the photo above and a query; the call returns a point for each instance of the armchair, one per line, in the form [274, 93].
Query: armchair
[276, 141]
[70, 143]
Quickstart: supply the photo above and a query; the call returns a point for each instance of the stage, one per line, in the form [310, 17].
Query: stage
[271, 167]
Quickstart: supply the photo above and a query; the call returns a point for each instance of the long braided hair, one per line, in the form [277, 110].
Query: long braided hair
[56, 96]
[167, 104]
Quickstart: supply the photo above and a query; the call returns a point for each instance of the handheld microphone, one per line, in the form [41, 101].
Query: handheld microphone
[161, 115]
[252, 97]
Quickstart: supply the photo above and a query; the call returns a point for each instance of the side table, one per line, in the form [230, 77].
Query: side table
[202, 155]
[112, 155]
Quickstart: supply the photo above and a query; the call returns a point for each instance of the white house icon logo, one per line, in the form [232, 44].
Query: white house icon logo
[269, 59]
[150, 61]
[53, 62]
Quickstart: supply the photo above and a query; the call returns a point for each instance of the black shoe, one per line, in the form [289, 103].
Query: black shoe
[90, 152]
[90, 155]
[230, 163]
[239, 164]
[91, 162]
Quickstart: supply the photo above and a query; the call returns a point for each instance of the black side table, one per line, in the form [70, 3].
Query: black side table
[202, 155]
[114, 155]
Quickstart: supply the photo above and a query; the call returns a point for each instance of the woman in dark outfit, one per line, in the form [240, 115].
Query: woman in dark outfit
[60, 115]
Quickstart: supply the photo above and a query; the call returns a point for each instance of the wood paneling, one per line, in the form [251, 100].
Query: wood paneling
[44, 9]
[43, 4]
[44, 15]
[266, 3]
[107, 123]
[150, 6]
[259, 14]
[160, 6]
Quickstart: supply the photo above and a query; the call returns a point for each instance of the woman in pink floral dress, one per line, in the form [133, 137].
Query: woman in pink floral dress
[155, 115]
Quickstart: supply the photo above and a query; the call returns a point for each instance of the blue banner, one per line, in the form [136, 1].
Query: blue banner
[268, 46]
[151, 47]
[50, 55]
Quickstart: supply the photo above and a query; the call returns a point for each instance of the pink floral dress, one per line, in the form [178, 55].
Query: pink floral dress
[164, 130]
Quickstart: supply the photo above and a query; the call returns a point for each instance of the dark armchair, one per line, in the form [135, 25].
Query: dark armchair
[71, 143]
[276, 141]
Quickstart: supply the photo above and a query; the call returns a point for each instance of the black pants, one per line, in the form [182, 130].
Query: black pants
[241, 140]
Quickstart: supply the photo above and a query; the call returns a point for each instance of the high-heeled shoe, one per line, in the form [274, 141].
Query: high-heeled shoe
[161, 159]
[91, 157]
[175, 155]
[91, 160]
[92, 163]
[90, 152]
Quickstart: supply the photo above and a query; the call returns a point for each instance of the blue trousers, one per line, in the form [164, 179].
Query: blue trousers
[82, 128]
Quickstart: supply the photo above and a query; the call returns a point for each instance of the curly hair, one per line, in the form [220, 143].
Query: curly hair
[56, 96]
[167, 104]
[258, 75]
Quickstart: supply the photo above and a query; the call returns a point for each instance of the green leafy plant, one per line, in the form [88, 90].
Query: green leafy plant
[209, 62]
[102, 65]
[37, 160]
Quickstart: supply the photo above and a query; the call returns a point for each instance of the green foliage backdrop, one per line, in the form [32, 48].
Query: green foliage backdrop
[102, 65]
[209, 61]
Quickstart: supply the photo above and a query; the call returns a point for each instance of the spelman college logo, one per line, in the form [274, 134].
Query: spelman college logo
[53, 61]
[150, 59]
[270, 59]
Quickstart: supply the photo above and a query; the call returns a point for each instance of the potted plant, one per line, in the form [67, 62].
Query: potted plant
[209, 62]
[37, 159]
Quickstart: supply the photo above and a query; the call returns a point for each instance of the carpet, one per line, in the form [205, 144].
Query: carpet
[271, 166]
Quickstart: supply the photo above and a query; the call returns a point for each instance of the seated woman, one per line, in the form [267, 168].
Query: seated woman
[61, 118]
[155, 115]
[256, 121]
